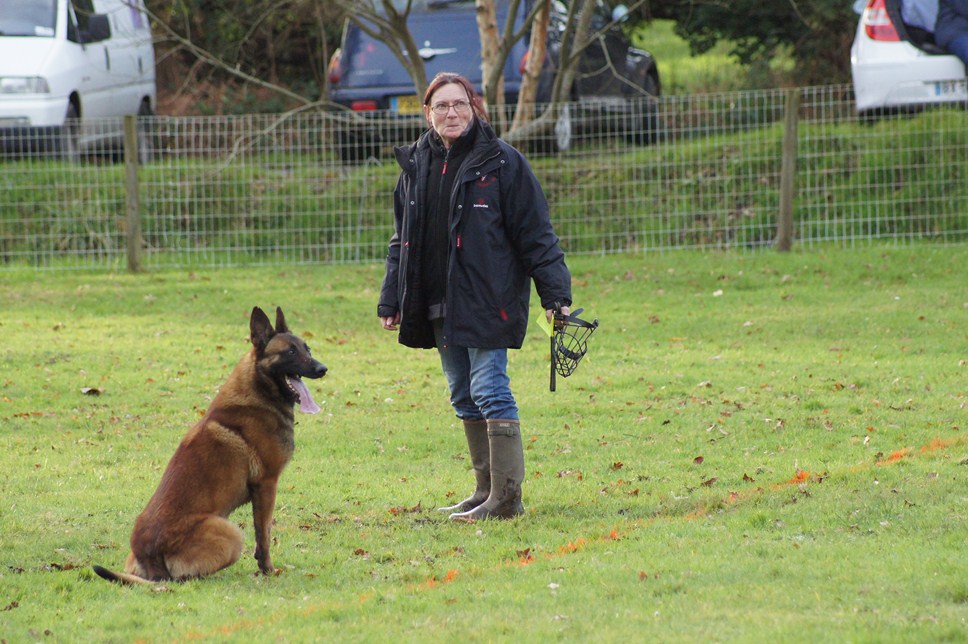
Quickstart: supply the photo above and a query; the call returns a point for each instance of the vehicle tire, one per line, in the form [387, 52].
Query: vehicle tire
[643, 122]
[355, 147]
[146, 139]
[66, 145]
[564, 129]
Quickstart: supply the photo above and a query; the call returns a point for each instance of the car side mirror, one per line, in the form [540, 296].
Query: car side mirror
[98, 28]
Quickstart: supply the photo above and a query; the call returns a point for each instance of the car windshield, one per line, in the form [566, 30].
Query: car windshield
[28, 18]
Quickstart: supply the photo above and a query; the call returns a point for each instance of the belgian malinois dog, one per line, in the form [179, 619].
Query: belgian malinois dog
[232, 456]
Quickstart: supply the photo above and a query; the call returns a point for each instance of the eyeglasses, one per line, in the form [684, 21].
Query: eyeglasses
[461, 107]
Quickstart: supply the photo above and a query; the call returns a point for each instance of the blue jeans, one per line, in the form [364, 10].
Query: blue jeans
[478, 381]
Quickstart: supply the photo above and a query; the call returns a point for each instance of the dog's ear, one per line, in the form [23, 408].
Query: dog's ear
[281, 321]
[260, 329]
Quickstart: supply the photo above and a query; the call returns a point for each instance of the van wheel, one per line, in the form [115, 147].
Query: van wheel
[146, 142]
[66, 146]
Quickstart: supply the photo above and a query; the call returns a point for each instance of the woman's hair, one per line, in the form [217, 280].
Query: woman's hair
[446, 78]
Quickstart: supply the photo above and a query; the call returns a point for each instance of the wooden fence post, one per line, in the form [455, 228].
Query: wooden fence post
[133, 199]
[788, 172]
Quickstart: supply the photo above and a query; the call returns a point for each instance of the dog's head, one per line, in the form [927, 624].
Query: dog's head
[285, 357]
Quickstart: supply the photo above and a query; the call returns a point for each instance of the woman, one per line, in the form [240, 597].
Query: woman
[472, 230]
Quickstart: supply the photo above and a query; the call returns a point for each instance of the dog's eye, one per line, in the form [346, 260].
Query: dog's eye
[292, 351]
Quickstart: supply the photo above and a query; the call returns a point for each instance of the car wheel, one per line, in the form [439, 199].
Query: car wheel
[643, 117]
[563, 129]
[355, 147]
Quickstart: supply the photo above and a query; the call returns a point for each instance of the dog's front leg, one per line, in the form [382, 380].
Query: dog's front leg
[263, 502]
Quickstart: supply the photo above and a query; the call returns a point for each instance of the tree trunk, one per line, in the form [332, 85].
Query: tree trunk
[493, 83]
[538, 48]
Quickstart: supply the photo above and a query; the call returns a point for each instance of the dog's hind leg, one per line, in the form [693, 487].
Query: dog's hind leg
[213, 544]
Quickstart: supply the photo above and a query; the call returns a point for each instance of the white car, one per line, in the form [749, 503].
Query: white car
[895, 63]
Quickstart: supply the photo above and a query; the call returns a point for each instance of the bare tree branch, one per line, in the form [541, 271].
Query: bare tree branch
[390, 29]
[213, 60]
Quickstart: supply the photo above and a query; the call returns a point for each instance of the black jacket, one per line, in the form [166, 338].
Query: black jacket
[500, 238]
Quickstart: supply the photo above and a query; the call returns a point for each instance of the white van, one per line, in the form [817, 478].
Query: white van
[67, 64]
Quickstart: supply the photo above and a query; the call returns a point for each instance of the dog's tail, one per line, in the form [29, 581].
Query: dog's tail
[122, 578]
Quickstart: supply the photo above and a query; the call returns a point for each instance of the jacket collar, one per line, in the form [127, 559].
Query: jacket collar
[406, 154]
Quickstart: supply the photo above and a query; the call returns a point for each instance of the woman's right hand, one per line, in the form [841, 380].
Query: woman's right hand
[390, 322]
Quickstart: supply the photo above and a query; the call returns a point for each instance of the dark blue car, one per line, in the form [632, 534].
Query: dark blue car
[367, 79]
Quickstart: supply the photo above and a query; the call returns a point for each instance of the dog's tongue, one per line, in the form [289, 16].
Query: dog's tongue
[306, 403]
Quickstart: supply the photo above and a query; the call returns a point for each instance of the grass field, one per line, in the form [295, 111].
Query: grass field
[759, 447]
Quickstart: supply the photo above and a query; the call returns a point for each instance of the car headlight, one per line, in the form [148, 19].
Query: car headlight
[24, 85]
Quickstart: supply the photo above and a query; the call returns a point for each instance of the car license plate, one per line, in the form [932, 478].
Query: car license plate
[951, 88]
[405, 104]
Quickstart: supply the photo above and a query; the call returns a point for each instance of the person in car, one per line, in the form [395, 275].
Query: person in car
[922, 14]
[951, 30]
[471, 231]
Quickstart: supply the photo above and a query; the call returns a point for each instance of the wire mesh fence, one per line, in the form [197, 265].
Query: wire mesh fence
[681, 172]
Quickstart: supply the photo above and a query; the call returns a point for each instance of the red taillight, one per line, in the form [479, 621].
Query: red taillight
[877, 22]
[333, 70]
[523, 65]
[363, 106]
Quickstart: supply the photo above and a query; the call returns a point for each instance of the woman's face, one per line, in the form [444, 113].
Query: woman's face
[453, 120]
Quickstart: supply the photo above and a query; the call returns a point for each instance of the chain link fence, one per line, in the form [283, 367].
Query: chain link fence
[701, 171]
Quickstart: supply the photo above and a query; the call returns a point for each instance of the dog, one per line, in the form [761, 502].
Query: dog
[232, 456]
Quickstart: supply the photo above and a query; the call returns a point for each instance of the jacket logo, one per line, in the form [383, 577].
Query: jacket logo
[485, 181]
[481, 204]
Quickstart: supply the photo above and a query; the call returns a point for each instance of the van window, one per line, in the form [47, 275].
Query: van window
[83, 9]
[28, 18]
[78, 12]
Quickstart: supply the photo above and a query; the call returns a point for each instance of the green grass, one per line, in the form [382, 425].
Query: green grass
[758, 447]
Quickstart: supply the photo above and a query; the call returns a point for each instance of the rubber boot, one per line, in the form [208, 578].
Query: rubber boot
[507, 474]
[477, 444]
